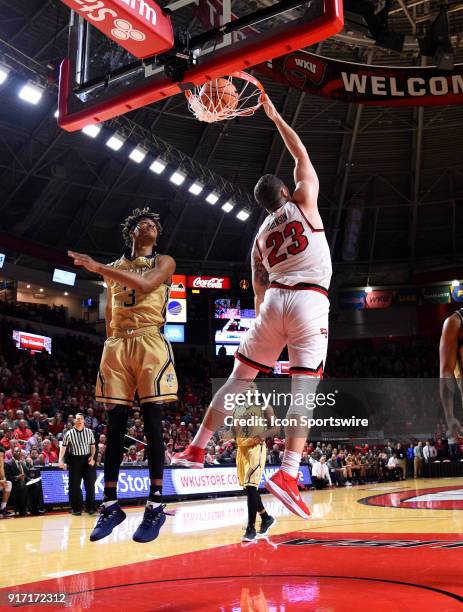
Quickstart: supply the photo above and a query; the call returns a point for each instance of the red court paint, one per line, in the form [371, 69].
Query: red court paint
[436, 498]
[296, 571]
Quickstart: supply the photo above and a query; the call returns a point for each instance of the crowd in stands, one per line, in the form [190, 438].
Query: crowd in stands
[40, 395]
[43, 313]
[411, 358]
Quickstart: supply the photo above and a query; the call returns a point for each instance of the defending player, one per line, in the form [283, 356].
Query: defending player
[136, 358]
[451, 369]
[291, 267]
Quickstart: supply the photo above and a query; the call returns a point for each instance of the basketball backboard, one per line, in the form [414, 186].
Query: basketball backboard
[100, 80]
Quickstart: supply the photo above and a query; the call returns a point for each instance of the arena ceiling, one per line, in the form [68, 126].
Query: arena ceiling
[402, 166]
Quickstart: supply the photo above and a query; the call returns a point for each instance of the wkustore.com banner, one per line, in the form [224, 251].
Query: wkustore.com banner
[134, 482]
[363, 84]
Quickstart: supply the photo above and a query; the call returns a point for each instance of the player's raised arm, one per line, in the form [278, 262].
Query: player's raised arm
[448, 348]
[165, 267]
[305, 177]
[260, 279]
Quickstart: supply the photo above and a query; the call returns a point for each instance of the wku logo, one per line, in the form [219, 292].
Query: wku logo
[436, 498]
[300, 68]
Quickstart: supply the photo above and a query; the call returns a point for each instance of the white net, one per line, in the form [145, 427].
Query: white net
[238, 95]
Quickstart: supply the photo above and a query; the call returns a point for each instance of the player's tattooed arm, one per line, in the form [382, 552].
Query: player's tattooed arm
[260, 280]
[165, 267]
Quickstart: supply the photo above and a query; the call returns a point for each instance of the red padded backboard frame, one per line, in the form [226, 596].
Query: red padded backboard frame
[241, 57]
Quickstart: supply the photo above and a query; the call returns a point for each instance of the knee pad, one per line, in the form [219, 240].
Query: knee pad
[8, 486]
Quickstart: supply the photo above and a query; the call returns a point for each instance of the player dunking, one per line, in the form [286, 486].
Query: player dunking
[291, 267]
[136, 358]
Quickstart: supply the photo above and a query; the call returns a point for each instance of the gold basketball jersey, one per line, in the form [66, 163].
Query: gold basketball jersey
[256, 424]
[135, 309]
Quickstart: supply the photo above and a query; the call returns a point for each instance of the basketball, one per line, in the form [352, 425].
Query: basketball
[219, 95]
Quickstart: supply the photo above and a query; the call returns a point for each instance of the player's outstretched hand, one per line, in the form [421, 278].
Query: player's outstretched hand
[85, 261]
[268, 107]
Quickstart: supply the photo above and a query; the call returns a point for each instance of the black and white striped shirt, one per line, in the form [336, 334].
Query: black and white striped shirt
[78, 442]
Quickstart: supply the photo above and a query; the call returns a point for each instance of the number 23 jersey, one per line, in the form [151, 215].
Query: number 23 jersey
[292, 250]
[135, 309]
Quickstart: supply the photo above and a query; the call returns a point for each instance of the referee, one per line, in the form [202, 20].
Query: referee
[79, 446]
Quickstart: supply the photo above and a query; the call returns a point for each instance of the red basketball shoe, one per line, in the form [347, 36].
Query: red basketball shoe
[191, 457]
[285, 488]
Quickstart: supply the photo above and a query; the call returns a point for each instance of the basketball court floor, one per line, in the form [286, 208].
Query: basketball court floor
[391, 546]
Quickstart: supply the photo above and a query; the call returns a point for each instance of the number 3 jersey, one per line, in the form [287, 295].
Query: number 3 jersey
[135, 309]
[292, 250]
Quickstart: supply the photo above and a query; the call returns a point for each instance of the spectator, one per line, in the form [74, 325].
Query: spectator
[274, 455]
[452, 439]
[320, 474]
[417, 460]
[22, 432]
[56, 424]
[401, 458]
[34, 423]
[48, 454]
[429, 452]
[336, 473]
[131, 454]
[5, 486]
[22, 496]
[394, 468]
[410, 459]
[8, 436]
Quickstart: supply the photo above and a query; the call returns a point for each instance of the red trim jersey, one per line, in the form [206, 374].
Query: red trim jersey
[292, 250]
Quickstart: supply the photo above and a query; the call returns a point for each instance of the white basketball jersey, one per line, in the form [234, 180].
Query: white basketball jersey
[292, 250]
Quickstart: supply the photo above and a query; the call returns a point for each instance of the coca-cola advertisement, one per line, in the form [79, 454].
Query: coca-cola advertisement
[208, 282]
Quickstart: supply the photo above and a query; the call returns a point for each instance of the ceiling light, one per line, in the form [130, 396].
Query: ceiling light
[228, 207]
[116, 142]
[66, 293]
[31, 93]
[212, 198]
[368, 289]
[4, 72]
[243, 215]
[455, 283]
[92, 130]
[158, 166]
[28, 286]
[196, 188]
[138, 154]
[177, 178]
[41, 290]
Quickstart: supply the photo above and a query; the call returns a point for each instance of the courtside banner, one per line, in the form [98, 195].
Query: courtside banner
[363, 84]
[134, 482]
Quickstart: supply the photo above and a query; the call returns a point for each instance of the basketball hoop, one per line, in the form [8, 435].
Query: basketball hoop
[238, 95]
